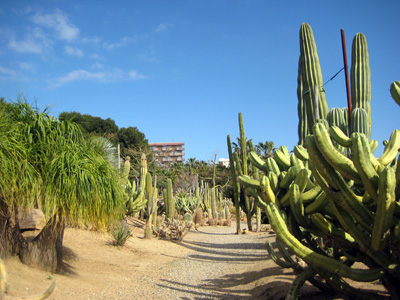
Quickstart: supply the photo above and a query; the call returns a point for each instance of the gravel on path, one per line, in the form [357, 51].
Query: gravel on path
[221, 265]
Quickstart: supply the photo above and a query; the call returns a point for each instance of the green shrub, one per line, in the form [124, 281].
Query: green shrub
[121, 233]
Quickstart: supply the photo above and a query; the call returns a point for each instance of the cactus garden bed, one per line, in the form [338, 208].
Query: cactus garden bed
[160, 269]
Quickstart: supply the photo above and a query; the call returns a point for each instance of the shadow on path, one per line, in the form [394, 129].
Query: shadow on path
[221, 288]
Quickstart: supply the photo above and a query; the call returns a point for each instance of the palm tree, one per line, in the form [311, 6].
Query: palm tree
[58, 171]
[191, 164]
[265, 149]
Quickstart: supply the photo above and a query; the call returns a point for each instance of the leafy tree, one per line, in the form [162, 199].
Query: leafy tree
[131, 137]
[132, 142]
[91, 124]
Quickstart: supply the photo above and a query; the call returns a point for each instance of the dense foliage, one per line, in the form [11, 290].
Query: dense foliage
[130, 139]
[51, 165]
[90, 123]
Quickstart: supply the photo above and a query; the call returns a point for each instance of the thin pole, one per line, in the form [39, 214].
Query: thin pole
[346, 72]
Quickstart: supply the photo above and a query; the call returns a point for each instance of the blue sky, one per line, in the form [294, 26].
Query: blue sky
[181, 71]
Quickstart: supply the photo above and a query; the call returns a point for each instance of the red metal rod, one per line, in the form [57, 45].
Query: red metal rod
[346, 72]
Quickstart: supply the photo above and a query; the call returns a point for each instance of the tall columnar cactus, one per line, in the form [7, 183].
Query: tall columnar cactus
[360, 77]
[214, 212]
[243, 156]
[125, 171]
[309, 77]
[170, 205]
[235, 183]
[255, 173]
[151, 209]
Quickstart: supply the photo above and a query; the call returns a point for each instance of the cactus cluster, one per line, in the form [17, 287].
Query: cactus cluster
[352, 203]
[331, 201]
[184, 211]
[135, 195]
[213, 203]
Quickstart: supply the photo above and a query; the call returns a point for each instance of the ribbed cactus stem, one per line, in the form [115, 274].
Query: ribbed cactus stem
[243, 144]
[335, 117]
[360, 77]
[165, 198]
[243, 148]
[125, 170]
[346, 129]
[170, 200]
[395, 91]
[155, 196]
[359, 121]
[235, 183]
[149, 191]
[309, 77]
[143, 171]
[151, 200]
[197, 191]
[255, 176]
[213, 204]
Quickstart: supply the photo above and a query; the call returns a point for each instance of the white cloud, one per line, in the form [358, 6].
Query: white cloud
[91, 40]
[7, 73]
[135, 75]
[73, 51]
[122, 42]
[163, 27]
[97, 56]
[79, 75]
[35, 42]
[59, 22]
[26, 66]
[97, 65]
[26, 46]
[97, 76]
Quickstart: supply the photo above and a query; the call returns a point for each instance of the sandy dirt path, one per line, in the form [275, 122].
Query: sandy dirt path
[211, 263]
